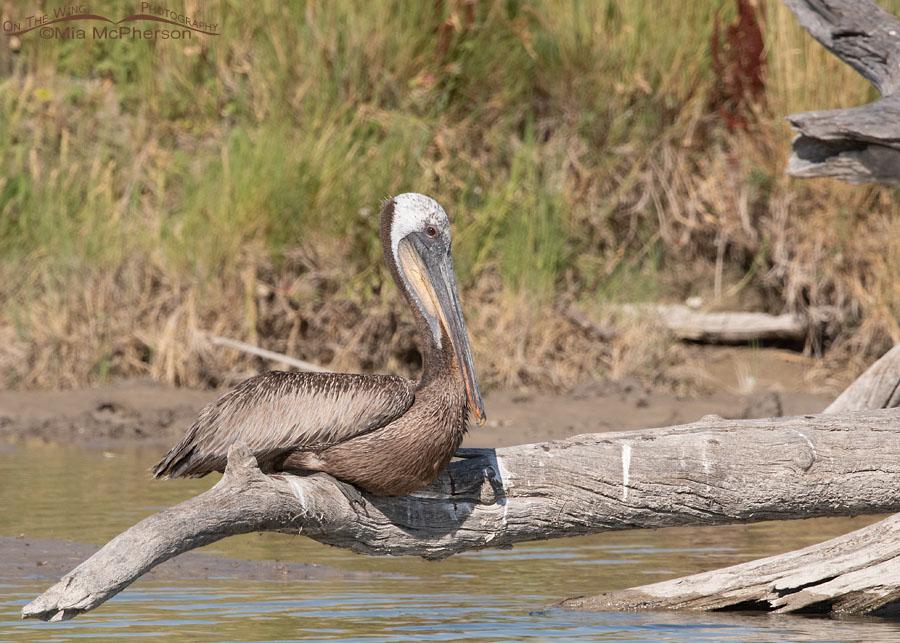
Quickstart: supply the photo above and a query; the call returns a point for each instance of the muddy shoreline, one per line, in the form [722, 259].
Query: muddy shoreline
[743, 383]
[145, 412]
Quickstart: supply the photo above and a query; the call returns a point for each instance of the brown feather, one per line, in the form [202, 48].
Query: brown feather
[276, 413]
[405, 455]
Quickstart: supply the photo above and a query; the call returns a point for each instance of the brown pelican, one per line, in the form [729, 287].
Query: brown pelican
[386, 434]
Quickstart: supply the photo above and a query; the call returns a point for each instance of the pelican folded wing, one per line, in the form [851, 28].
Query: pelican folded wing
[277, 413]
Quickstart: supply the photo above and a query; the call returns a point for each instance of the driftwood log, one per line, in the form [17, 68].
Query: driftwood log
[714, 471]
[857, 573]
[723, 327]
[859, 144]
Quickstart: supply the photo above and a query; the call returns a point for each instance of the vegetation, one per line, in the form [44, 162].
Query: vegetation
[590, 153]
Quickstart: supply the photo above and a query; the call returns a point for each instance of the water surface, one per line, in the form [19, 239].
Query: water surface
[88, 495]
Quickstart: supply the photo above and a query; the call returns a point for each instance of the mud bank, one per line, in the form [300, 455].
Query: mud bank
[143, 411]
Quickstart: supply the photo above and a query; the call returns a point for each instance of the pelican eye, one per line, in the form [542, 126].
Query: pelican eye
[431, 232]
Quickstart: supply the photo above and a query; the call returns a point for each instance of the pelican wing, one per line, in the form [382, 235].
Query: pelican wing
[277, 412]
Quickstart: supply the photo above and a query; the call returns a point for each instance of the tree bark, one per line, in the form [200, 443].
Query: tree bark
[714, 471]
[860, 144]
[859, 32]
[857, 573]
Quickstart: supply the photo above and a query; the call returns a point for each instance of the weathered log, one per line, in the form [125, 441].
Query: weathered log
[860, 144]
[878, 122]
[859, 32]
[877, 388]
[723, 327]
[714, 471]
[856, 573]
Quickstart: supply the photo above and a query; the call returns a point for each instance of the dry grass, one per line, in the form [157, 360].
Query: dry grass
[157, 193]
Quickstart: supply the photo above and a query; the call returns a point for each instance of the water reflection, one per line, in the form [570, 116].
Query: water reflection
[493, 595]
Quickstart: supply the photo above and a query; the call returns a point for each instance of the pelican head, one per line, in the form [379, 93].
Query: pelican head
[416, 233]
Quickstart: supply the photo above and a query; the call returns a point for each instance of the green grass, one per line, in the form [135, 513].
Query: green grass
[571, 139]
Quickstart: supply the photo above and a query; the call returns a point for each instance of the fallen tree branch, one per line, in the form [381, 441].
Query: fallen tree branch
[723, 327]
[855, 573]
[299, 364]
[859, 32]
[860, 144]
[711, 472]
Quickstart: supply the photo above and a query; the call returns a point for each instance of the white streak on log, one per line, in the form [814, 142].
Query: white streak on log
[704, 460]
[502, 473]
[297, 488]
[811, 447]
[626, 465]
[505, 483]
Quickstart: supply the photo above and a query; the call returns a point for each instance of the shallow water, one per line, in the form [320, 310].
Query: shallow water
[92, 495]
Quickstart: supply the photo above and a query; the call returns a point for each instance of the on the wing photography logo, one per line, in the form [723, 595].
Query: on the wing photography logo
[73, 22]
